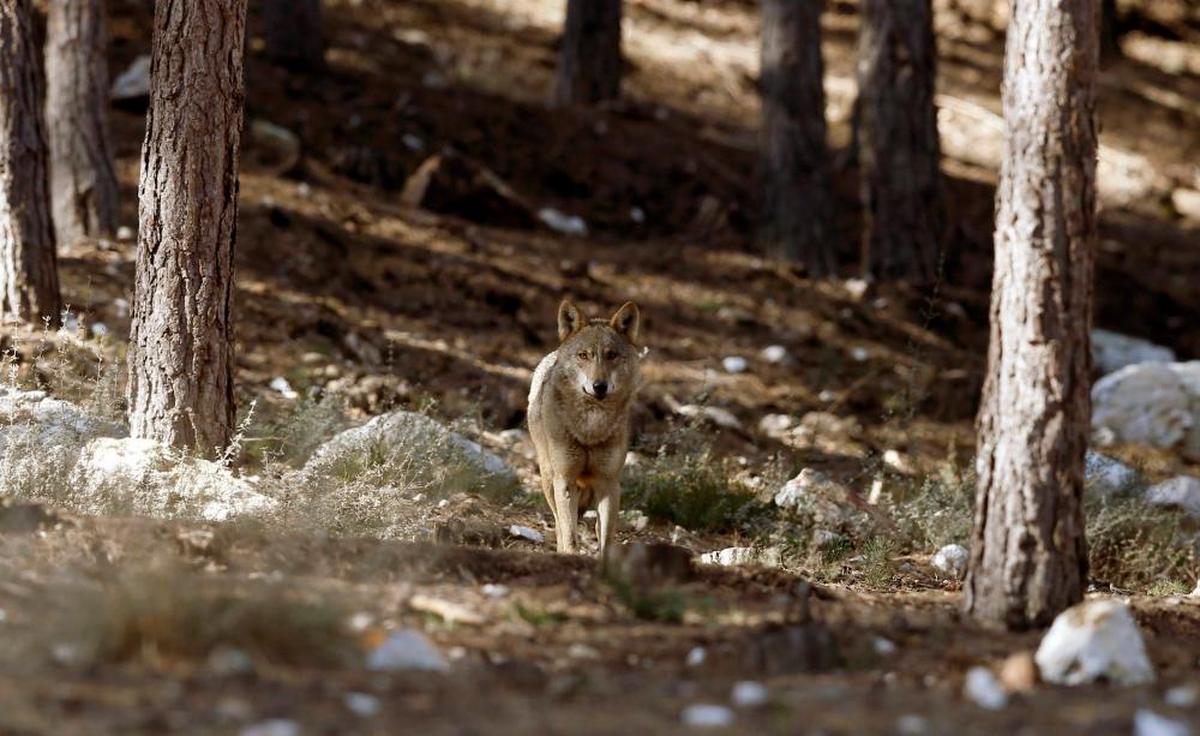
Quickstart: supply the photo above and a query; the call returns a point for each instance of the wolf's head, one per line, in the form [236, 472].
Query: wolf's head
[598, 357]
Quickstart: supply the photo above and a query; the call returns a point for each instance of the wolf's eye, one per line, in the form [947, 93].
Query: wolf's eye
[584, 355]
[610, 355]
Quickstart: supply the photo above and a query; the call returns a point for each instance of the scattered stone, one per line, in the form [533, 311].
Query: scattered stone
[1182, 491]
[828, 433]
[912, 724]
[1112, 351]
[280, 384]
[696, 656]
[562, 223]
[1182, 696]
[734, 364]
[898, 462]
[637, 214]
[707, 715]
[1196, 592]
[579, 650]
[1186, 202]
[715, 414]
[982, 688]
[749, 694]
[407, 649]
[951, 560]
[273, 727]
[775, 354]
[1018, 672]
[99, 329]
[524, 532]
[1149, 723]
[134, 82]
[1105, 476]
[884, 647]
[362, 705]
[1092, 640]
[413, 142]
[775, 425]
[494, 590]
[1155, 404]
[737, 556]
[635, 519]
[448, 611]
[856, 288]
[124, 234]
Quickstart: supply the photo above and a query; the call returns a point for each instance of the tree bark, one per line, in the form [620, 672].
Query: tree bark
[294, 34]
[589, 68]
[28, 265]
[898, 148]
[797, 212]
[83, 182]
[1029, 559]
[181, 343]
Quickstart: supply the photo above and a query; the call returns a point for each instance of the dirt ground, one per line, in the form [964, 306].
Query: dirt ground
[344, 288]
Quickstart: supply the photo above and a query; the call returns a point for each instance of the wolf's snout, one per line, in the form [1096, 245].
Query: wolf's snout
[600, 389]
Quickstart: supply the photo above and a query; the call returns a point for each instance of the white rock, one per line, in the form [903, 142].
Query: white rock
[407, 649]
[147, 477]
[982, 688]
[1155, 404]
[280, 384]
[811, 489]
[715, 414]
[1092, 640]
[1182, 491]
[734, 556]
[749, 694]
[734, 364]
[524, 532]
[413, 142]
[635, 519]
[1112, 351]
[1106, 476]
[1182, 696]
[99, 329]
[856, 288]
[125, 234]
[1186, 202]
[637, 214]
[579, 650]
[898, 462]
[951, 560]
[884, 647]
[362, 705]
[560, 222]
[912, 724]
[1196, 592]
[775, 354]
[696, 656]
[405, 432]
[273, 727]
[1149, 723]
[775, 424]
[859, 354]
[134, 82]
[494, 590]
[707, 715]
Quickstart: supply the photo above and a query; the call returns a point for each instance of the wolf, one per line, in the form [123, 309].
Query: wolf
[579, 407]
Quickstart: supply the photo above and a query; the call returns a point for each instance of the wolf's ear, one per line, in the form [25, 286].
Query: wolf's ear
[626, 321]
[570, 319]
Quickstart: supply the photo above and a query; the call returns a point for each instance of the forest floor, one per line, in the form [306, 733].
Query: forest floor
[344, 287]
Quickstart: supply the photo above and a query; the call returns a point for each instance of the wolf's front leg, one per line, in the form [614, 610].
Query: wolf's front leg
[608, 507]
[566, 504]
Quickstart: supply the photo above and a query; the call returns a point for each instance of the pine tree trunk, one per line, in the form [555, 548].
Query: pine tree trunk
[797, 212]
[294, 33]
[1029, 559]
[1110, 30]
[898, 148]
[28, 265]
[83, 182]
[181, 343]
[590, 59]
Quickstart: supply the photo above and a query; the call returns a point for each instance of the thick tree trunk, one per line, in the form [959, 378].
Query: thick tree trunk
[589, 68]
[1029, 559]
[28, 267]
[294, 33]
[898, 147]
[181, 345]
[83, 182]
[797, 212]
[1110, 30]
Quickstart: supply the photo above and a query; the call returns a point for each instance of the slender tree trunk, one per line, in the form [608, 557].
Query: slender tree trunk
[590, 59]
[1029, 559]
[83, 182]
[294, 33]
[181, 344]
[797, 212]
[28, 267]
[898, 148]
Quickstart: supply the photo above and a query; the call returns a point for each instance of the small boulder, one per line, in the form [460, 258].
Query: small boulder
[775, 354]
[1182, 491]
[707, 715]
[982, 688]
[737, 556]
[1105, 476]
[1155, 404]
[1096, 639]
[1149, 723]
[749, 694]
[526, 533]
[407, 649]
[1112, 351]
[134, 82]
[951, 560]
[734, 364]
